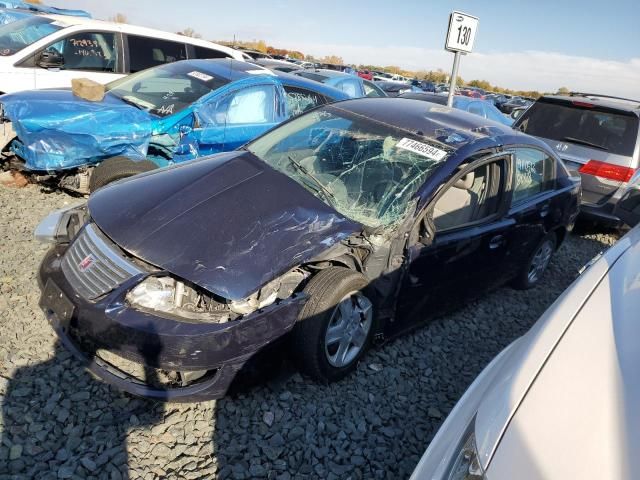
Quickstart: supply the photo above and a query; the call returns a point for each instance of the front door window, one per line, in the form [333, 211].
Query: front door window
[471, 198]
[86, 51]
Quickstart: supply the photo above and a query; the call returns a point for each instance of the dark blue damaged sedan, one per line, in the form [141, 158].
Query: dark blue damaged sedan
[339, 229]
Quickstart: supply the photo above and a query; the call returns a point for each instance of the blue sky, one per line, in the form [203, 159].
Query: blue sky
[540, 44]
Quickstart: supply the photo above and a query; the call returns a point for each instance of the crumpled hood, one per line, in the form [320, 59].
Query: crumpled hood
[58, 130]
[229, 222]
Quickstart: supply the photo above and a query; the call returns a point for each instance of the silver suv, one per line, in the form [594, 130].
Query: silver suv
[596, 136]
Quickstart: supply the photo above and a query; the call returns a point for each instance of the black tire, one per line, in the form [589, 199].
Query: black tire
[326, 290]
[117, 168]
[523, 281]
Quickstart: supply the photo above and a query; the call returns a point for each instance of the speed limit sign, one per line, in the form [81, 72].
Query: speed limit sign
[462, 32]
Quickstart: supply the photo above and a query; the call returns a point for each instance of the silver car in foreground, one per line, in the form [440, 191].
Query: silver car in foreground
[563, 401]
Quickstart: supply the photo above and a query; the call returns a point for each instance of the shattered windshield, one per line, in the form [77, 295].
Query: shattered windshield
[166, 89]
[367, 170]
[20, 34]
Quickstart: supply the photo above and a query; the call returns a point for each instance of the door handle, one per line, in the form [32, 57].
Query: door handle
[544, 210]
[496, 242]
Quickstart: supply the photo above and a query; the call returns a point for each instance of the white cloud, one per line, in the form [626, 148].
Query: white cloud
[543, 71]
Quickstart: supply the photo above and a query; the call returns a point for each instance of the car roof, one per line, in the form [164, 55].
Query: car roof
[606, 101]
[459, 133]
[233, 70]
[460, 100]
[439, 124]
[143, 31]
[267, 62]
[325, 72]
[393, 84]
[228, 68]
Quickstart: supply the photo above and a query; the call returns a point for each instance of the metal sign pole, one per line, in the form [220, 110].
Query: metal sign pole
[454, 79]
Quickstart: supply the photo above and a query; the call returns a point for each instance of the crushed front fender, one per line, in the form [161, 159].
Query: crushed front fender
[220, 349]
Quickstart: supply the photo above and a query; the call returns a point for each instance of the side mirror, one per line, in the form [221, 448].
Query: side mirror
[517, 113]
[50, 58]
[427, 231]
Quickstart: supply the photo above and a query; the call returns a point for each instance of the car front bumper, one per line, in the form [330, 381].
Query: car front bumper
[602, 214]
[85, 328]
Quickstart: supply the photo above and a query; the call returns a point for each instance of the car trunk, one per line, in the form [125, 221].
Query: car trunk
[596, 141]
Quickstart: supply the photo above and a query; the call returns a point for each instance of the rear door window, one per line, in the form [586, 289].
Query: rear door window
[591, 127]
[373, 91]
[350, 87]
[147, 52]
[203, 52]
[300, 100]
[476, 108]
[534, 173]
[493, 113]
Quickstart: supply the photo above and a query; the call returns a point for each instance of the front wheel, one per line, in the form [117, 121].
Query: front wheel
[537, 264]
[335, 326]
[117, 168]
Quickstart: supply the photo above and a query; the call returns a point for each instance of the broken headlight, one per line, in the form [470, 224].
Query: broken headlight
[172, 298]
[278, 289]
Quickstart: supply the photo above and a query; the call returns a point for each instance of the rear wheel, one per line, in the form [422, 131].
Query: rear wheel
[335, 326]
[117, 168]
[537, 264]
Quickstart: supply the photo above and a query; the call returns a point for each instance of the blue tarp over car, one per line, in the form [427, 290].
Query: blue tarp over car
[171, 113]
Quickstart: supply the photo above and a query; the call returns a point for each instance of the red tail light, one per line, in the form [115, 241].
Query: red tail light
[607, 170]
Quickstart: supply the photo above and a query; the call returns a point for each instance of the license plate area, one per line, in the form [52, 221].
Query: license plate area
[54, 300]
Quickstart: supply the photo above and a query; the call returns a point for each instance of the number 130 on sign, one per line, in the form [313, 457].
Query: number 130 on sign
[462, 32]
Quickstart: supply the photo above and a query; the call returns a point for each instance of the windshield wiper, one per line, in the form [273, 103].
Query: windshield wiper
[128, 101]
[321, 188]
[585, 143]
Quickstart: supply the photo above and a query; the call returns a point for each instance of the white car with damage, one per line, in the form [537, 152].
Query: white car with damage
[48, 51]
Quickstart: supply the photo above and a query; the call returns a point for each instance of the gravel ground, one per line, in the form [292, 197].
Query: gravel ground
[58, 422]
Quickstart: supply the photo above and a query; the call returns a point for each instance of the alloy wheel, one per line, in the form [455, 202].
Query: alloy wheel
[348, 329]
[540, 262]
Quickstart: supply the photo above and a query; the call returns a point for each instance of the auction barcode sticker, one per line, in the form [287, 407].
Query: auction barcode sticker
[200, 76]
[421, 149]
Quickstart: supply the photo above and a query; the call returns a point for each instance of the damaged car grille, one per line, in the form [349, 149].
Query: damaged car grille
[93, 266]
